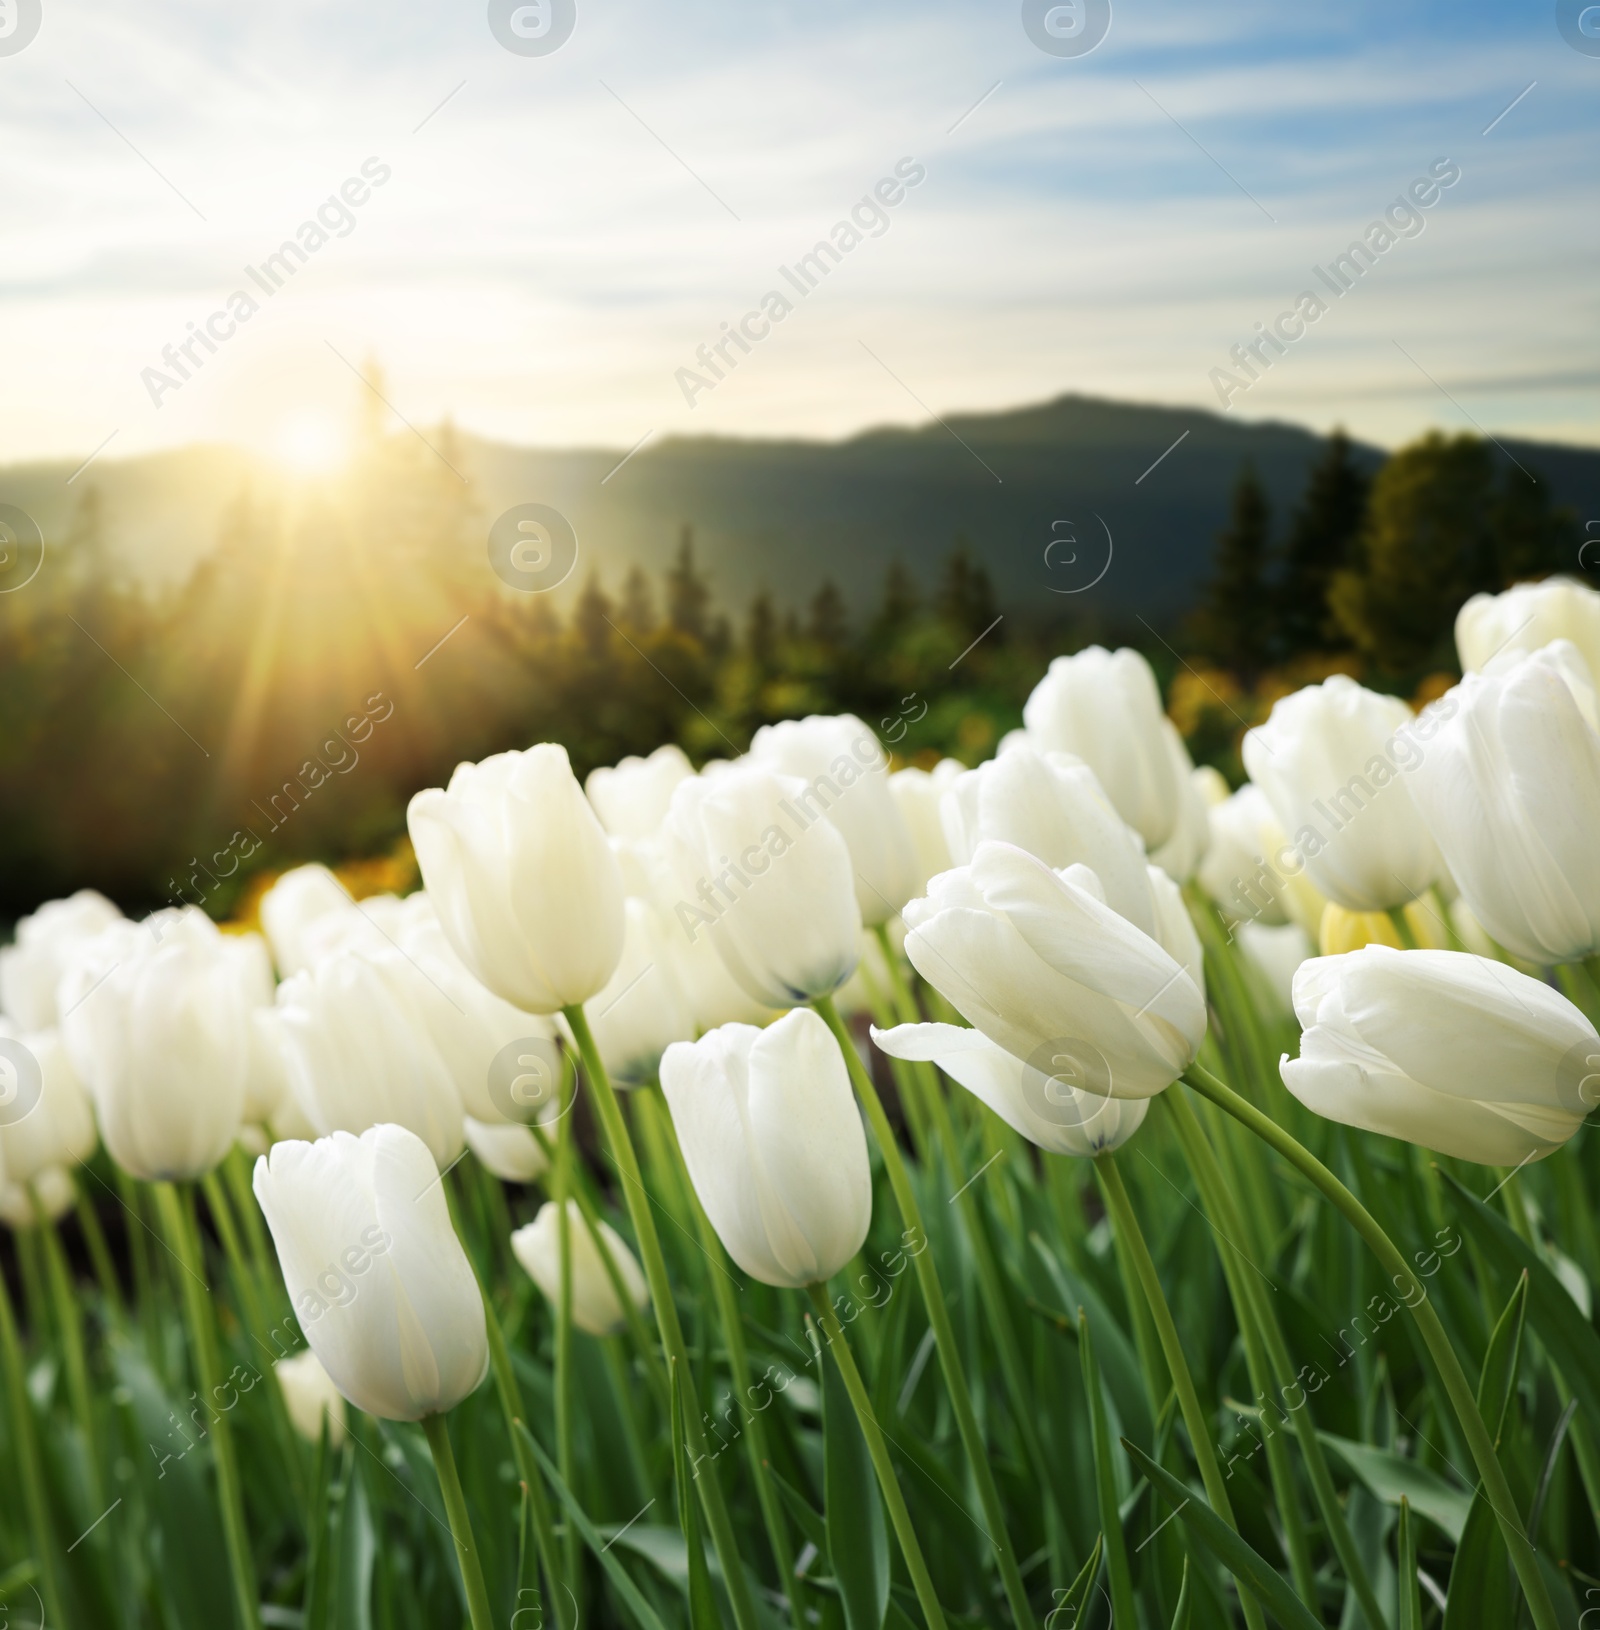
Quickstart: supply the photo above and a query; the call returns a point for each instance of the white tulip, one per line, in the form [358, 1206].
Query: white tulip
[1526, 617]
[371, 926]
[31, 969]
[1211, 784]
[525, 884]
[596, 1308]
[295, 901]
[918, 794]
[1047, 1103]
[47, 1198]
[774, 1145]
[156, 1021]
[1182, 853]
[1105, 708]
[1054, 807]
[507, 1151]
[1237, 872]
[1334, 762]
[765, 876]
[360, 1055]
[1046, 969]
[266, 1081]
[631, 798]
[1510, 790]
[310, 1397]
[472, 1029]
[1454, 1052]
[844, 768]
[46, 1118]
[1275, 955]
[378, 1279]
[643, 1009]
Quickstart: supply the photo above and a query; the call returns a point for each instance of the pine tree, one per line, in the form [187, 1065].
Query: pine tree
[1428, 542]
[1321, 540]
[761, 632]
[965, 599]
[828, 622]
[638, 612]
[592, 619]
[688, 591]
[1235, 619]
[899, 605]
[1531, 539]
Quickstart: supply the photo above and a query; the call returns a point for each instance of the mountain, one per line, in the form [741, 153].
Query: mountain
[1037, 492]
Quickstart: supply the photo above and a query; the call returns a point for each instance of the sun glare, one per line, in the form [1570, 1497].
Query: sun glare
[312, 444]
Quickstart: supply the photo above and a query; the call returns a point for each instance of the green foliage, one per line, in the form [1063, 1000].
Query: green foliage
[1321, 537]
[1235, 624]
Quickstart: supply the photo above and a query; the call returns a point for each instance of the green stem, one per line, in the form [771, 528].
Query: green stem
[1496, 1489]
[27, 1447]
[455, 1505]
[666, 1311]
[563, 1369]
[1217, 1200]
[77, 1364]
[177, 1221]
[944, 1335]
[910, 1547]
[1402, 927]
[505, 1380]
[99, 1255]
[1126, 1223]
[755, 1432]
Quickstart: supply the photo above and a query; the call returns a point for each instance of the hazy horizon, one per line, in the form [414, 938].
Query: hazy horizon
[542, 244]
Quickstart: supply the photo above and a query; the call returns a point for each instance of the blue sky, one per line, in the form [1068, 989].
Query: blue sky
[554, 242]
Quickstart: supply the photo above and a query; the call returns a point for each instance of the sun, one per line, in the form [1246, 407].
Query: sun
[312, 444]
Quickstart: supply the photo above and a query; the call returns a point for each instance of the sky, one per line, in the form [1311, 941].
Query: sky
[554, 235]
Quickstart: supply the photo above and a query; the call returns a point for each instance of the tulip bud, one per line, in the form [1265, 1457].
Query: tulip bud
[642, 1011]
[1526, 617]
[773, 1142]
[1182, 853]
[1038, 962]
[1236, 872]
[596, 1309]
[1050, 1101]
[506, 1150]
[46, 1118]
[471, 1028]
[1105, 708]
[156, 1021]
[47, 1198]
[519, 870]
[1052, 806]
[843, 766]
[918, 794]
[765, 875]
[632, 798]
[310, 1397]
[359, 1055]
[299, 898]
[378, 1279]
[1510, 788]
[1274, 956]
[31, 969]
[1334, 762]
[1457, 1053]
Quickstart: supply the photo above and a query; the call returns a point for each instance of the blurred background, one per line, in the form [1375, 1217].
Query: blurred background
[302, 304]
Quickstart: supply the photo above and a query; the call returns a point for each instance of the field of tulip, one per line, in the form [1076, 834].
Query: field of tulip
[1061, 1193]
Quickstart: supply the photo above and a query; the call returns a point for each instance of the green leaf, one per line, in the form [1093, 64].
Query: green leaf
[1479, 1597]
[1246, 1564]
[801, 1509]
[1498, 1381]
[614, 1570]
[702, 1606]
[358, 1551]
[1408, 1603]
[1180, 1614]
[1105, 1478]
[858, 1541]
[1568, 1337]
[1391, 1477]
